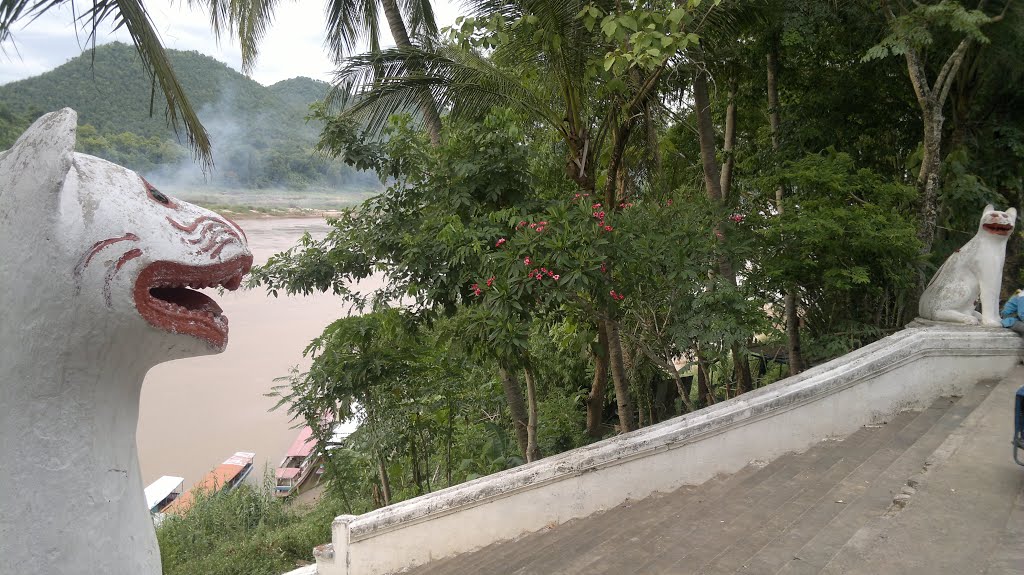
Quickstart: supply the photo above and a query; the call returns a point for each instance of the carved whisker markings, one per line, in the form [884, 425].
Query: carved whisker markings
[112, 271]
[191, 228]
[221, 246]
[98, 247]
[232, 222]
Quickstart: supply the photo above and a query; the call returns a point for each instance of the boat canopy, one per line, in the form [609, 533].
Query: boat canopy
[161, 488]
[286, 472]
[224, 476]
[303, 444]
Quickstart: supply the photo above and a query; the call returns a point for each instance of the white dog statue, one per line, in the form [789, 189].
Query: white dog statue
[973, 272]
[95, 266]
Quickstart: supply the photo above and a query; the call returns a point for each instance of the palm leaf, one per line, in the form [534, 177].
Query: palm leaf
[372, 87]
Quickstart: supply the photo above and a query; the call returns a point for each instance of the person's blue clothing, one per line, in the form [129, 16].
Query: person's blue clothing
[1012, 310]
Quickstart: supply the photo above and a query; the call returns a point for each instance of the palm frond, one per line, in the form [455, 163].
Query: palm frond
[132, 16]
[420, 14]
[376, 86]
[350, 22]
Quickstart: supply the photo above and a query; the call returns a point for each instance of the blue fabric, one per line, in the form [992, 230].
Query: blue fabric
[1011, 311]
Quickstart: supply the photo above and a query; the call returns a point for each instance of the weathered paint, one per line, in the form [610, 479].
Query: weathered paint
[906, 370]
[82, 242]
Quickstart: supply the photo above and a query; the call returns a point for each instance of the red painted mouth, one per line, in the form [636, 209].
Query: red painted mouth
[163, 300]
[999, 229]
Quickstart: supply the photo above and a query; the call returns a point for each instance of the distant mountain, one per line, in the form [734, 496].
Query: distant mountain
[259, 133]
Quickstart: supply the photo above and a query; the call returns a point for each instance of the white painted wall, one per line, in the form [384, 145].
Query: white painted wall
[906, 370]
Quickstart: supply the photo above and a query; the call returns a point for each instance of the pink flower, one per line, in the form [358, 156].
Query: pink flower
[500, 242]
[668, 203]
[607, 228]
[737, 218]
[520, 225]
[555, 277]
[595, 206]
[540, 229]
[526, 260]
[603, 268]
[490, 281]
[476, 292]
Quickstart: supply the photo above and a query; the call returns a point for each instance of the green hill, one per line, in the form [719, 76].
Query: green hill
[259, 134]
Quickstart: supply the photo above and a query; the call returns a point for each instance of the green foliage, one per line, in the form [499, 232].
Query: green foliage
[244, 532]
[846, 240]
[916, 27]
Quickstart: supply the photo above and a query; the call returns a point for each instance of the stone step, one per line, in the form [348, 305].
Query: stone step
[706, 541]
[962, 509]
[631, 545]
[873, 501]
[804, 517]
[753, 521]
[540, 549]
[1008, 555]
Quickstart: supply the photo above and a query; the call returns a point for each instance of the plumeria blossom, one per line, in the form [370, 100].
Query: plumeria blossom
[526, 260]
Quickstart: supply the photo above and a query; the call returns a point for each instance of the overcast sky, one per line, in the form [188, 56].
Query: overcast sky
[293, 47]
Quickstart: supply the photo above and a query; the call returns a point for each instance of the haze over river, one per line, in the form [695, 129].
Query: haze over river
[196, 412]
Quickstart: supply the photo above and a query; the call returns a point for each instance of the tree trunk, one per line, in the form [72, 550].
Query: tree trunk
[532, 449]
[928, 179]
[385, 481]
[622, 395]
[729, 143]
[931, 99]
[595, 399]
[428, 107]
[713, 183]
[684, 390]
[703, 385]
[517, 407]
[791, 313]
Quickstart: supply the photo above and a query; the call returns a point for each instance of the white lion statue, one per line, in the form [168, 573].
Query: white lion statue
[95, 266]
[973, 272]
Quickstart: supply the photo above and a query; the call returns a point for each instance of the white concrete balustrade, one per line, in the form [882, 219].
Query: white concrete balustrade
[906, 370]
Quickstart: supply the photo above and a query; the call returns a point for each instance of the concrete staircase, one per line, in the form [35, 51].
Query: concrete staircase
[830, 509]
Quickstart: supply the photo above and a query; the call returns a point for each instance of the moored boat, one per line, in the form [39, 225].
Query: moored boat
[300, 463]
[224, 477]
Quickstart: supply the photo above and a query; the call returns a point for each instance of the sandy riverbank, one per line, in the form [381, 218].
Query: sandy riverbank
[196, 412]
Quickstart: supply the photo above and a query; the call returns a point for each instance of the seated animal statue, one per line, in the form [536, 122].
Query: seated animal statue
[973, 272]
[95, 270]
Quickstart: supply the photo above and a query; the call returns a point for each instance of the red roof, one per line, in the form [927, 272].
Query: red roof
[286, 472]
[303, 444]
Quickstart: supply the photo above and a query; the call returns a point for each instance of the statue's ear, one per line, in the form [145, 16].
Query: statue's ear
[32, 172]
[1012, 212]
[988, 208]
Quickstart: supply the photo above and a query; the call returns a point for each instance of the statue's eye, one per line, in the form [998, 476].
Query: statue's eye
[158, 196]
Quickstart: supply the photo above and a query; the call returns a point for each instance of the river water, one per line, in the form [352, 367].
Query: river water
[196, 412]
